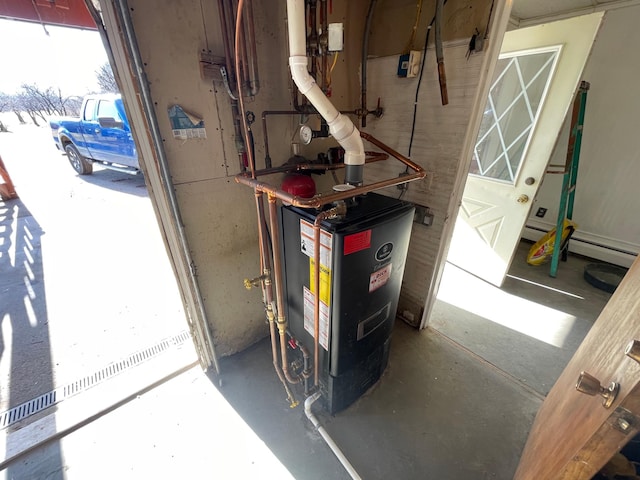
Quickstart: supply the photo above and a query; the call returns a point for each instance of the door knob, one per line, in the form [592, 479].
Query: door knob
[523, 198]
[591, 386]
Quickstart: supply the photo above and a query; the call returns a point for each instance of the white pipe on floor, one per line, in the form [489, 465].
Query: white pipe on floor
[327, 438]
[340, 126]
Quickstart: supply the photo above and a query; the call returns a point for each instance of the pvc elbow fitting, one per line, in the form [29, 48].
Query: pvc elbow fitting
[300, 74]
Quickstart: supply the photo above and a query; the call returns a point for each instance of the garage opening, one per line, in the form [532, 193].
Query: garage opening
[88, 293]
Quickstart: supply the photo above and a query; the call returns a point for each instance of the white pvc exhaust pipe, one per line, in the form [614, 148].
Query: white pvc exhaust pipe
[340, 126]
[327, 438]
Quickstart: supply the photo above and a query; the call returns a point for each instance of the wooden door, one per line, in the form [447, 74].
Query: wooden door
[573, 435]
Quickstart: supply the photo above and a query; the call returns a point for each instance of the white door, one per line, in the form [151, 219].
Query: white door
[534, 83]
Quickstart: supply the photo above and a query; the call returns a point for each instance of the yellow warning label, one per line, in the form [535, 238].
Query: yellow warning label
[325, 281]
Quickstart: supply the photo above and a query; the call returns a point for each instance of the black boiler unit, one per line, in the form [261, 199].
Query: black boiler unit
[362, 262]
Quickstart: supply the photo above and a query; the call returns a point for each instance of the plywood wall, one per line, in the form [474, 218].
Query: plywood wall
[606, 199]
[219, 216]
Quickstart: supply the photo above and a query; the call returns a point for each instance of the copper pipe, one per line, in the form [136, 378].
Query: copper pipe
[267, 295]
[252, 67]
[371, 158]
[277, 276]
[322, 199]
[397, 155]
[243, 119]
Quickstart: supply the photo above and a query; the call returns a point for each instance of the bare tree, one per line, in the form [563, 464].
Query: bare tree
[106, 79]
[4, 107]
[38, 102]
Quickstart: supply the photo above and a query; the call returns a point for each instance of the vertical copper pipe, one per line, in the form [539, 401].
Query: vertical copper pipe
[252, 67]
[267, 292]
[277, 277]
[442, 77]
[243, 119]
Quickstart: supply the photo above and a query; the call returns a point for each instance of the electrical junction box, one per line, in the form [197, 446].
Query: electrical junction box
[409, 64]
[336, 37]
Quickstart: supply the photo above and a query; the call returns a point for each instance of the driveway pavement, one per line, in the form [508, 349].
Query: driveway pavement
[84, 275]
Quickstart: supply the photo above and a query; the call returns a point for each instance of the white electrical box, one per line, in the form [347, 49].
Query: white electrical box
[336, 37]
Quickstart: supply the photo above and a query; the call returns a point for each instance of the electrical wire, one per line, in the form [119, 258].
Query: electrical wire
[412, 38]
[333, 65]
[415, 101]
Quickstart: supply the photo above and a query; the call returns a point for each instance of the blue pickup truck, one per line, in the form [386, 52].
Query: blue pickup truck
[101, 135]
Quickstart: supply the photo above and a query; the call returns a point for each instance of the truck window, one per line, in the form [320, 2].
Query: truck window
[107, 108]
[89, 108]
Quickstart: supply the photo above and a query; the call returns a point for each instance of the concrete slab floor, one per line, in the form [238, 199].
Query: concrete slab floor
[530, 327]
[439, 411]
[436, 413]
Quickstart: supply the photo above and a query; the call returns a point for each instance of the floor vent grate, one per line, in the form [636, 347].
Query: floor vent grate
[38, 404]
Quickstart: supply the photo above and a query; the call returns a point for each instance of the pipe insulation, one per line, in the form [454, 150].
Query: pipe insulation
[327, 438]
[340, 126]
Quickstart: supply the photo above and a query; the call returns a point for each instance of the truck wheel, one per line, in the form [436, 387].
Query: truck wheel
[77, 161]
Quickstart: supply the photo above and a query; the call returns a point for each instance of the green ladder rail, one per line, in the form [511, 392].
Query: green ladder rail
[570, 174]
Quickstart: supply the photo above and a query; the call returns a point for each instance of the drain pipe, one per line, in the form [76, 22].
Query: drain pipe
[327, 438]
[340, 126]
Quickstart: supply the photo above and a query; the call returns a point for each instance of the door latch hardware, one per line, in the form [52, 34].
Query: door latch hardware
[523, 198]
[624, 421]
[591, 386]
[633, 350]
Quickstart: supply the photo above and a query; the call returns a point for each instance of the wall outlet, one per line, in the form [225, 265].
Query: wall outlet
[541, 212]
[423, 216]
[413, 67]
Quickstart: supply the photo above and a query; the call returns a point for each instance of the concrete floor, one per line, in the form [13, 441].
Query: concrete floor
[442, 409]
[76, 290]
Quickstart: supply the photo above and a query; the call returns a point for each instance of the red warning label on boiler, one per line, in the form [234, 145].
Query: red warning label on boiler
[379, 278]
[358, 241]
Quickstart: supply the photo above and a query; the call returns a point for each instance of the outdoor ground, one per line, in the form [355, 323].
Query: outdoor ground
[108, 287]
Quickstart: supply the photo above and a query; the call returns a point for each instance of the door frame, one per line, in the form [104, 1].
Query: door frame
[493, 44]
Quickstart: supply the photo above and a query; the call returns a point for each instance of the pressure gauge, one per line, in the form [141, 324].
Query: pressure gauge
[306, 134]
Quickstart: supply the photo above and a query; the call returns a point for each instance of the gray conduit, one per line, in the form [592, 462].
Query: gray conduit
[122, 10]
[327, 438]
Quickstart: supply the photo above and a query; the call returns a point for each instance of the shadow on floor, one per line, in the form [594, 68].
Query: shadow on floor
[529, 328]
[436, 413]
[25, 350]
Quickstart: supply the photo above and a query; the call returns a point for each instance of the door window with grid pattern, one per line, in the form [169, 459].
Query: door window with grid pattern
[517, 92]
